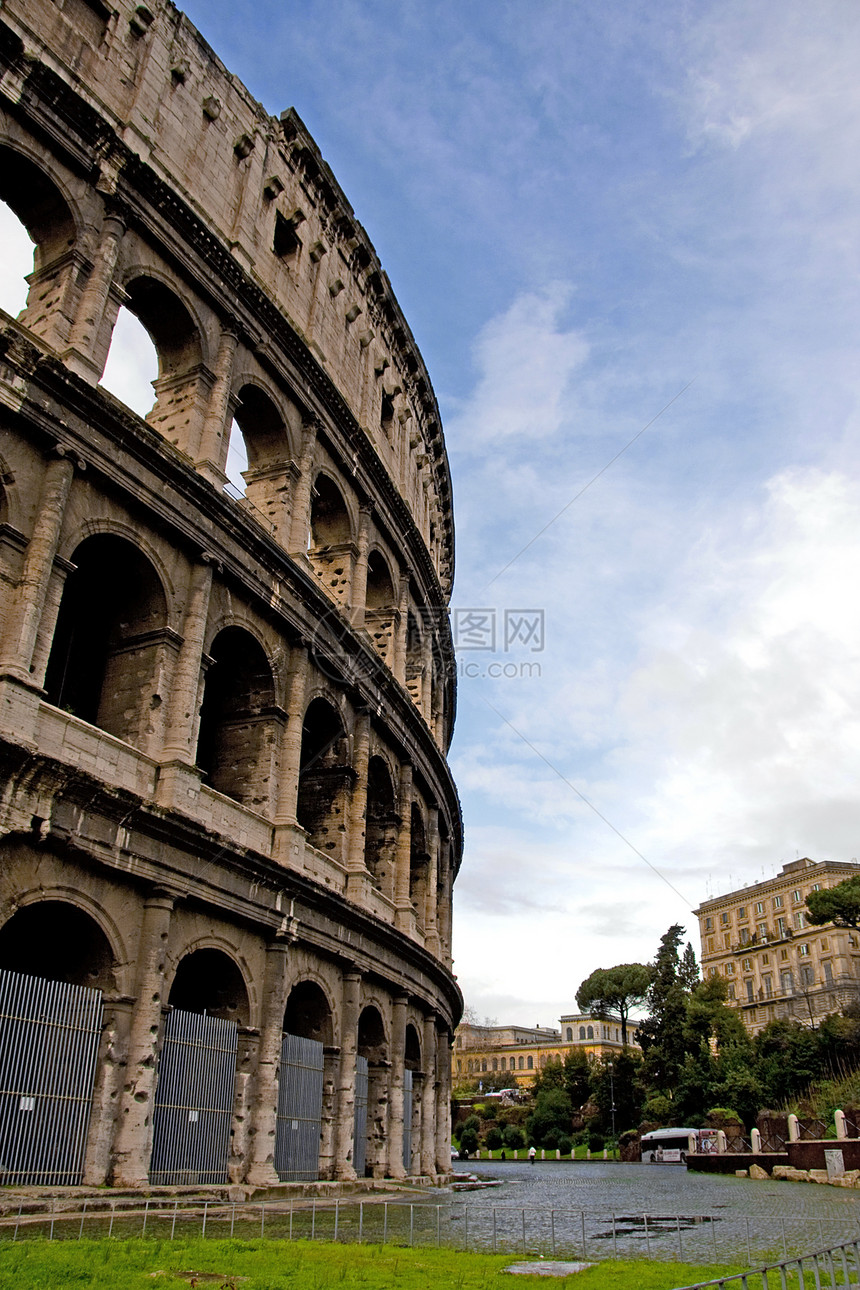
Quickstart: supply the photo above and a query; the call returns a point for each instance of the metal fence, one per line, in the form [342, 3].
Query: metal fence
[836, 1266]
[407, 1120]
[193, 1100]
[300, 1093]
[557, 1232]
[49, 1038]
[359, 1140]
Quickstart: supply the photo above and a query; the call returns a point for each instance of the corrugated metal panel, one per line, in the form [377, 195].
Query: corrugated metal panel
[407, 1121]
[49, 1039]
[193, 1100]
[359, 1150]
[300, 1091]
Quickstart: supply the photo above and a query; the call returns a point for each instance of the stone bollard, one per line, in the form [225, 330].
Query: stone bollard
[588, 1153]
[839, 1118]
[516, 1154]
[605, 1153]
[722, 1144]
[793, 1135]
[542, 1154]
[557, 1154]
[755, 1138]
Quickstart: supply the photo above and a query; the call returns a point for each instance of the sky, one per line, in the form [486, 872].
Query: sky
[625, 238]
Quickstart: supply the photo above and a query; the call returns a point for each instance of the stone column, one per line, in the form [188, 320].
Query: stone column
[431, 929]
[358, 590]
[345, 1116]
[401, 625]
[109, 1069]
[215, 436]
[403, 912]
[301, 509]
[22, 625]
[290, 757]
[444, 911]
[331, 1065]
[357, 875]
[87, 351]
[427, 677]
[443, 1101]
[185, 684]
[132, 1144]
[428, 1098]
[395, 1094]
[264, 1107]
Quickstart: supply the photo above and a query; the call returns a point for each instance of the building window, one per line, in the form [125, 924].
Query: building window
[742, 912]
[825, 944]
[582, 1032]
[724, 917]
[590, 1032]
[783, 954]
[777, 902]
[495, 1063]
[730, 969]
[712, 972]
[804, 951]
[570, 1034]
[749, 988]
[787, 982]
[459, 1068]
[796, 897]
[798, 921]
[816, 886]
[807, 976]
[709, 923]
[767, 985]
[745, 936]
[781, 927]
[765, 958]
[727, 940]
[484, 1064]
[761, 931]
[828, 972]
[746, 965]
[710, 944]
[759, 907]
[530, 1064]
[521, 1063]
[730, 991]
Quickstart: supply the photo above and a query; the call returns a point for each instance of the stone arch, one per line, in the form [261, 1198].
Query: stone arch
[590, 1033]
[382, 826]
[57, 940]
[380, 605]
[235, 746]
[51, 223]
[325, 777]
[259, 451]
[108, 655]
[412, 1048]
[330, 547]
[419, 864]
[208, 979]
[308, 1013]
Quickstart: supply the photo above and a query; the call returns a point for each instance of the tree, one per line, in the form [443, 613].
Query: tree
[550, 1118]
[661, 1035]
[612, 992]
[839, 904]
[688, 972]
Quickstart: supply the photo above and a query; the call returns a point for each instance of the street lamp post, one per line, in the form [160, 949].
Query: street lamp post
[612, 1101]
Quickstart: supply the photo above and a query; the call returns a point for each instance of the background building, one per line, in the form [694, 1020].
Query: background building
[520, 1051]
[228, 831]
[776, 964]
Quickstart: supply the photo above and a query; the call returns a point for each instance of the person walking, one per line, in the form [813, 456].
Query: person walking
[532, 1154]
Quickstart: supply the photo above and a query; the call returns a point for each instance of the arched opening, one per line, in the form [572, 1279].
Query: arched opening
[382, 827]
[55, 963]
[380, 605]
[208, 1002]
[308, 1013]
[131, 369]
[325, 777]
[591, 1032]
[258, 456]
[411, 1102]
[412, 1049]
[419, 864]
[582, 1032]
[330, 550]
[305, 1113]
[371, 1101]
[209, 981]
[107, 656]
[235, 746]
[56, 941]
[176, 340]
[34, 211]
[414, 659]
[16, 263]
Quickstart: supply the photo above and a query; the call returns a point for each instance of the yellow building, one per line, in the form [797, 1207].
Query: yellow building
[775, 963]
[522, 1051]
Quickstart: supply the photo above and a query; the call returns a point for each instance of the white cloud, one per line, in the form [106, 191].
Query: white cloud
[16, 260]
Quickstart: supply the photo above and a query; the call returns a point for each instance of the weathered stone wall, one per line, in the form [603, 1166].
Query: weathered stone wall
[193, 685]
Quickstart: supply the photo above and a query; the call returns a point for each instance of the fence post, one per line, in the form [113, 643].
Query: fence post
[233, 1219]
[411, 1226]
[552, 1230]
[680, 1253]
[438, 1220]
[524, 1231]
[839, 1120]
[112, 1212]
[614, 1238]
[336, 1216]
[313, 1218]
[262, 1218]
[83, 1216]
[205, 1216]
[647, 1236]
[793, 1133]
[749, 1247]
[385, 1222]
[360, 1221]
[582, 1220]
[17, 1221]
[755, 1142]
[51, 1237]
[494, 1229]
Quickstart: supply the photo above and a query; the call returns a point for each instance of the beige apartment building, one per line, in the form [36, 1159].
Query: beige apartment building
[775, 962]
[524, 1050]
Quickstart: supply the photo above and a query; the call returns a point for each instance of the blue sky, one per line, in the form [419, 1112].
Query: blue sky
[583, 209]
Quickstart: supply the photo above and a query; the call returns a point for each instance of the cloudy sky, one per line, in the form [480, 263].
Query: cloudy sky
[620, 228]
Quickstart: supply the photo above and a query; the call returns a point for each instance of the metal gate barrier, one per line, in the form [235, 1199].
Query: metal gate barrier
[300, 1091]
[359, 1148]
[193, 1100]
[407, 1121]
[49, 1039]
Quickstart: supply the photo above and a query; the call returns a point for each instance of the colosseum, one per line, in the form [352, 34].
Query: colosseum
[229, 831]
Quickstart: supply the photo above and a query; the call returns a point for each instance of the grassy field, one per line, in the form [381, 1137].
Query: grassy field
[298, 1265]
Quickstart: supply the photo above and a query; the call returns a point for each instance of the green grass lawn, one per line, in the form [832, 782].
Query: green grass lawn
[299, 1265]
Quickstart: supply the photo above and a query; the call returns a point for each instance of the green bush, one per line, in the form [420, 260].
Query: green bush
[468, 1142]
[490, 1111]
[493, 1138]
[596, 1142]
[564, 1145]
[513, 1137]
[471, 1124]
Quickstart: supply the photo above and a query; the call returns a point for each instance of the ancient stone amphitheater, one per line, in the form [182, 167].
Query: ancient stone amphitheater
[229, 832]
